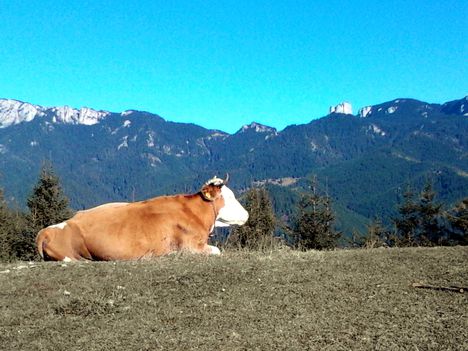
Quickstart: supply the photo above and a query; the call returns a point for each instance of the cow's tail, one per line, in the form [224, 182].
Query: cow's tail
[41, 242]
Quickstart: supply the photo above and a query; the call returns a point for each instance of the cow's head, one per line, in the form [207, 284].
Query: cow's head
[230, 210]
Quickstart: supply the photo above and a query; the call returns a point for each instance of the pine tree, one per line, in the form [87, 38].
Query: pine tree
[430, 212]
[356, 240]
[458, 219]
[266, 220]
[258, 232]
[47, 204]
[5, 230]
[314, 225]
[420, 219]
[376, 234]
[407, 224]
[22, 238]
[15, 234]
[4, 212]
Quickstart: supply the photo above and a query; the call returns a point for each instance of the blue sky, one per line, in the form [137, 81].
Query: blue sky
[222, 64]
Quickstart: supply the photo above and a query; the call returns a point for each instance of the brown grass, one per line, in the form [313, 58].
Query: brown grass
[283, 300]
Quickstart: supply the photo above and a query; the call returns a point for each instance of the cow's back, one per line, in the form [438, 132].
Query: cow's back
[141, 229]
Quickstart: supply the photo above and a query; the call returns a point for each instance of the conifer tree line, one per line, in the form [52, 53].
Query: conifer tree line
[47, 205]
[421, 221]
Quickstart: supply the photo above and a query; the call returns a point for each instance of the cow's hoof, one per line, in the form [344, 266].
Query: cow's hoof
[213, 250]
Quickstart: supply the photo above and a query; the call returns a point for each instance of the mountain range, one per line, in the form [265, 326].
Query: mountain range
[364, 161]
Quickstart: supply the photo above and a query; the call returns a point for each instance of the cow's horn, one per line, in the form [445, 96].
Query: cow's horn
[227, 179]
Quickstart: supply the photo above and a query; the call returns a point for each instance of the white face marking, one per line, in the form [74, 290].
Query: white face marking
[59, 226]
[232, 212]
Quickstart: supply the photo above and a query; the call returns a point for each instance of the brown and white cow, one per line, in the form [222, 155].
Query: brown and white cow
[154, 227]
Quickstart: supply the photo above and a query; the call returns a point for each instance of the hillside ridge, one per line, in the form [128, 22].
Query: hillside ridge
[364, 161]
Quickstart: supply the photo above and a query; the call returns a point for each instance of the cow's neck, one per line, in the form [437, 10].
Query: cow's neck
[215, 214]
[206, 211]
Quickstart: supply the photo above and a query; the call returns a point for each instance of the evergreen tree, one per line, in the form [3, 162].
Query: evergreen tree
[258, 232]
[266, 218]
[458, 219]
[431, 229]
[5, 229]
[420, 219]
[4, 212]
[356, 240]
[15, 240]
[23, 238]
[314, 225]
[377, 236]
[47, 204]
[407, 224]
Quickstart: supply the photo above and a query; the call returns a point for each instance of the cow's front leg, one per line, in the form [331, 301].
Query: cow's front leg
[211, 250]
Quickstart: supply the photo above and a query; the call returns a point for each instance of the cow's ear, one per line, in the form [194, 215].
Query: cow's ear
[208, 192]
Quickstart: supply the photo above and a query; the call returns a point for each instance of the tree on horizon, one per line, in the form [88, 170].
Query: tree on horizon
[458, 219]
[314, 226]
[420, 220]
[258, 232]
[47, 203]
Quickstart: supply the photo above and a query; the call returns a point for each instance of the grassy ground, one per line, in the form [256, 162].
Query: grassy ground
[284, 300]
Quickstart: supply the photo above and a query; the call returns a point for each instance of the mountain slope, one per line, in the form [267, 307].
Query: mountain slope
[365, 160]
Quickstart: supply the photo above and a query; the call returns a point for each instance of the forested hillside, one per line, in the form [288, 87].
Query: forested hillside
[363, 162]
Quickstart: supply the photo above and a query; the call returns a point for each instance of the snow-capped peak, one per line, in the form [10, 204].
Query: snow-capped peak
[85, 115]
[14, 112]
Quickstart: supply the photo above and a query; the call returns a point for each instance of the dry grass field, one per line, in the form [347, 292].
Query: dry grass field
[282, 300]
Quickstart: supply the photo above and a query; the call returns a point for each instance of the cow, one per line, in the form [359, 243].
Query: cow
[144, 229]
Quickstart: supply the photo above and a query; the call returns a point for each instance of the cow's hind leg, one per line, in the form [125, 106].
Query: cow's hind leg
[50, 244]
[61, 244]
